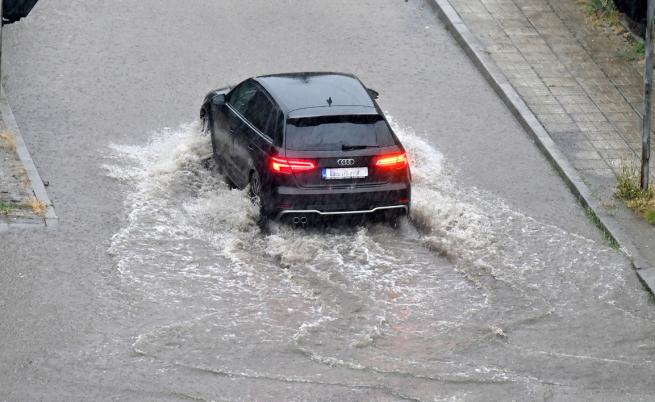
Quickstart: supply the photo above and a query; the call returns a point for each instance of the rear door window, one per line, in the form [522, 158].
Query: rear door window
[333, 133]
[260, 111]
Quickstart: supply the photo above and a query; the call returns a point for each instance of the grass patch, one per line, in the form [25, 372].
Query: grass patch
[6, 207]
[629, 190]
[650, 217]
[7, 140]
[603, 10]
[37, 207]
[604, 14]
[634, 52]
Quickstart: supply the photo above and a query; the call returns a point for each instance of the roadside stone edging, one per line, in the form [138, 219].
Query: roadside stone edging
[500, 84]
[50, 218]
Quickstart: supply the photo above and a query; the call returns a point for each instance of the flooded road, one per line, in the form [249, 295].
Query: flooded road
[469, 298]
[159, 285]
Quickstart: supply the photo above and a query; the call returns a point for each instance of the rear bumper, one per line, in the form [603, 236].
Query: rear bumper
[355, 200]
[398, 208]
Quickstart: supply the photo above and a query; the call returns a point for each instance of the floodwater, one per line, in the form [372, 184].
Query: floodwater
[469, 300]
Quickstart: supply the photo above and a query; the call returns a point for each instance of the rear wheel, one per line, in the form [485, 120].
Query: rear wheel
[255, 195]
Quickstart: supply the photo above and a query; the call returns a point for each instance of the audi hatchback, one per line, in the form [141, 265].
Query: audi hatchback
[308, 145]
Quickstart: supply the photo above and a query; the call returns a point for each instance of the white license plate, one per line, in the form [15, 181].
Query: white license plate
[345, 173]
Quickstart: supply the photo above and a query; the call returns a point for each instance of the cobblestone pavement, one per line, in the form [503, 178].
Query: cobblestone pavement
[14, 183]
[580, 79]
[21, 203]
[15, 186]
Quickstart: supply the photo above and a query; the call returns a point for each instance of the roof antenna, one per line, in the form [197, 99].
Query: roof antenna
[329, 101]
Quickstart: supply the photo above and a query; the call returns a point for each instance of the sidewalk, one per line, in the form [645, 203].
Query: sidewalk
[576, 78]
[582, 83]
[23, 199]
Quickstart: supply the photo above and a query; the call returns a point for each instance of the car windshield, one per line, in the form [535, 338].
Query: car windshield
[331, 133]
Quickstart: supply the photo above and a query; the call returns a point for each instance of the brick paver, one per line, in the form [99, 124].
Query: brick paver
[575, 77]
[15, 186]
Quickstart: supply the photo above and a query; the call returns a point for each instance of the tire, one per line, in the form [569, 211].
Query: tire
[255, 195]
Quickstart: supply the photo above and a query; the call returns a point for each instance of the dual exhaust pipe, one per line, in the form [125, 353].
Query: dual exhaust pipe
[299, 220]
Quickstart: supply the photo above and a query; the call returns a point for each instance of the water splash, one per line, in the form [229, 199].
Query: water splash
[370, 299]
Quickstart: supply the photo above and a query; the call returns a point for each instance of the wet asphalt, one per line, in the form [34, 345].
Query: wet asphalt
[157, 286]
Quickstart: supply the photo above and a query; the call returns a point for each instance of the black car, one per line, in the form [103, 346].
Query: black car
[308, 145]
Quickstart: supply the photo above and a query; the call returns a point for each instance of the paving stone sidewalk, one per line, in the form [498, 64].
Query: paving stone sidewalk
[15, 188]
[580, 79]
[23, 200]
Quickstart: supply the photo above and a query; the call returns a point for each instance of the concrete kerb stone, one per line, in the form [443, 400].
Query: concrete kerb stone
[500, 83]
[18, 224]
[38, 189]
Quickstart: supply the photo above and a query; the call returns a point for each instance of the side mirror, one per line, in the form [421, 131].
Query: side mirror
[374, 94]
[218, 100]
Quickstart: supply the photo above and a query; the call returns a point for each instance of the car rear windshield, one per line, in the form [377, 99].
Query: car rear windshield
[332, 133]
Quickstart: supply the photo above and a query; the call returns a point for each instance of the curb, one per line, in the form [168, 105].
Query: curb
[544, 142]
[38, 189]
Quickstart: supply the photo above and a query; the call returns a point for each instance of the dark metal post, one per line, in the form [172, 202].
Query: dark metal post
[648, 84]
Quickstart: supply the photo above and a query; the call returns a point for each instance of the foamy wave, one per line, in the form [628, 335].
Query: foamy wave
[363, 297]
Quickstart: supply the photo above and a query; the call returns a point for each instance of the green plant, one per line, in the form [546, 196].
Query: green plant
[629, 190]
[650, 217]
[627, 187]
[600, 8]
[634, 52]
[6, 207]
[603, 10]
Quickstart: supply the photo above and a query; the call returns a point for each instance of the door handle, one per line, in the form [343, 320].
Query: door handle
[251, 147]
[232, 130]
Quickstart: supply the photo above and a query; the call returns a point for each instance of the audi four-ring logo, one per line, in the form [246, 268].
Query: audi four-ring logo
[345, 162]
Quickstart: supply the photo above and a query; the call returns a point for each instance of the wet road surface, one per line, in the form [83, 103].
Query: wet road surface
[159, 285]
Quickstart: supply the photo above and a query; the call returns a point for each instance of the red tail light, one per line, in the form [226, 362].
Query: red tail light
[393, 161]
[289, 166]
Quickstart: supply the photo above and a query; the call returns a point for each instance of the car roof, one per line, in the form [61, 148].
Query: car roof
[307, 94]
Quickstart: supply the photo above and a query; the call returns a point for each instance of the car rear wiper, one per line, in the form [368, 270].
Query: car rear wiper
[345, 147]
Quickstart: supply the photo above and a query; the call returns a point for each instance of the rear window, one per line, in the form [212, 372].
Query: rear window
[332, 133]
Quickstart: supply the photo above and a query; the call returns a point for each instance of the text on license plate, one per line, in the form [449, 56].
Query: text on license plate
[345, 173]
